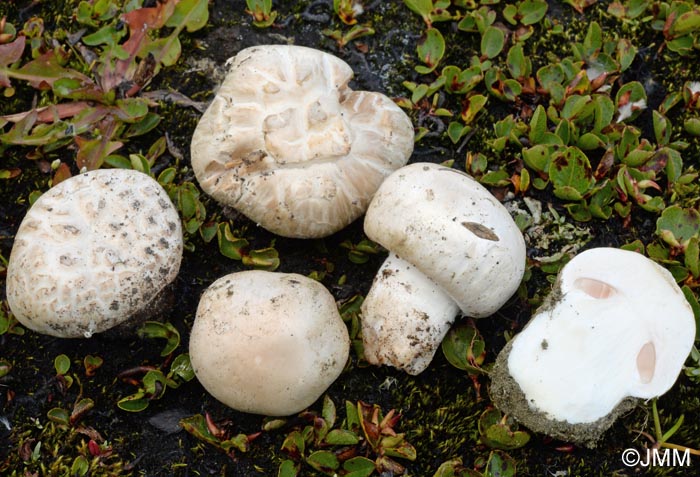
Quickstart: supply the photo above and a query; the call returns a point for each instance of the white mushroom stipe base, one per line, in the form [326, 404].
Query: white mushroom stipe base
[290, 145]
[268, 343]
[453, 247]
[615, 327]
[94, 252]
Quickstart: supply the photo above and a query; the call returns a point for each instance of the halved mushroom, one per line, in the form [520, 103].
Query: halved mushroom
[290, 145]
[453, 246]
[268, 343]
[615, 327]
[93, 252]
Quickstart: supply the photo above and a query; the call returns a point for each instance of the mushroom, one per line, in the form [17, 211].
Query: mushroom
[615, 327]
[287, 143]
[93, 252]
[267, 343]
[453, 246]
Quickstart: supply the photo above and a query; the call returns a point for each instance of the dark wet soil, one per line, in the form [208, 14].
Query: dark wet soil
[439, 408]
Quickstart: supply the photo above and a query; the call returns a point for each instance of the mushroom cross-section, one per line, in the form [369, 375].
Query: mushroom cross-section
[290, 145]
[93, 252]
[268, 343]
[616, 326]
[453, 246]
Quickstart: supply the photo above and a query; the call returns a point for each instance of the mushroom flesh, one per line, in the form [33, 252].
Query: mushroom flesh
[453, 246]
[268, 343]
[616, 327]
[93, 252]
[290, 145]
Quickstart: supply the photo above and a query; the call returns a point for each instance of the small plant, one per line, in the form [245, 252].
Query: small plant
[465, 349]
[500, 432]
[8, 323]
[153, 381]
[498, 464]
[220, 436]
[348, 10]
[262, 13]
[660, 438]
[96, 106]
[365, 443]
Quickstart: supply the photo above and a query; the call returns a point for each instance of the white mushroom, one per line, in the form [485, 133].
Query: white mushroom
[453, 247]
[615, 326]
[268, 343]
[93, 252]
[290, 145]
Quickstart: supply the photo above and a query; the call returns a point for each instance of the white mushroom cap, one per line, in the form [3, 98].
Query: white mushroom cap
[93, 252]
[444, 227]
[268, 343]
[290, 145]
[616, 325]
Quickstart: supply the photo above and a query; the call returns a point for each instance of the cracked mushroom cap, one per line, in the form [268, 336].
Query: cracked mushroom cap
[290, 145]
[268, 343]
[452, 230]
[615, 326]
[93, 252]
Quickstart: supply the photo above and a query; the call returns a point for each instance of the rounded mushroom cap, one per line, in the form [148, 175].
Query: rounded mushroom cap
[454, 231]
[92, 252]
[617, 325]
[268, 343]
[290, 145]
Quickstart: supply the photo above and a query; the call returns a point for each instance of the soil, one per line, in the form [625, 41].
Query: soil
[439, 408]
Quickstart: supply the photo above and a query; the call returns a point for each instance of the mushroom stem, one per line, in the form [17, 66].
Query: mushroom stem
[405, 316]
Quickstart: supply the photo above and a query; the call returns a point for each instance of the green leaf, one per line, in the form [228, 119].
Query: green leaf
[359, 467]
[197, 426]
[688, 22]
[190, 14]
[229, 245]
[167, 176]
[262, 259]
[693, 301]
[431, 48]
[181, 368]
[341, 437]
[532, 11]
[456, 131]
[323, 461]
[677, 225]
[571, 174]
[421, 7]
[80, 409]
[496, 178]
[464, 348]
[538, 157]
[492, 42]
[519, 65]
[499, 465]
[59, 416]
[133, 403]
[328, 412]
[92, 363]
[62, 364]
[454, 468]
[80, 467]
[461, 82]
[473, 106]
[287, 469]
[294, 445]
[166, 331]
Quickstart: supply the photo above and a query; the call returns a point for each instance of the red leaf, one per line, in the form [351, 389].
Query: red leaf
[10, 53]
[51, 113]
[45, 70]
